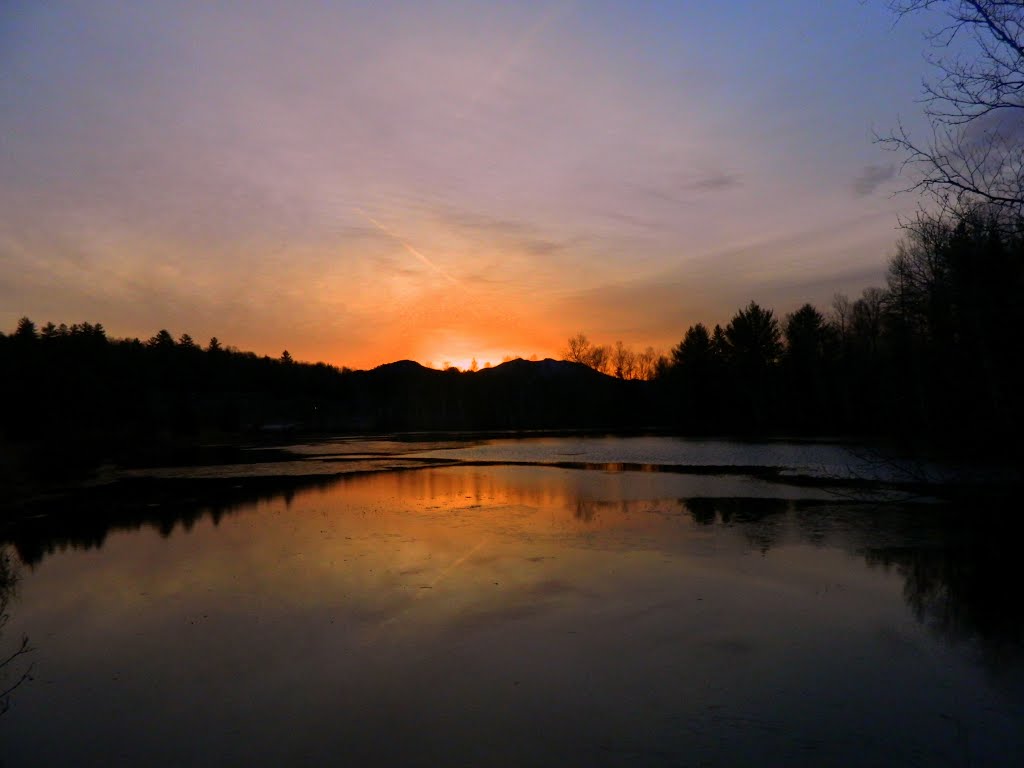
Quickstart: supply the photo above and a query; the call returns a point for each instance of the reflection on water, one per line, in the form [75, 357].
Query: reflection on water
[958, 565]
[811, 459]
[14, 670]
[511, 615]
[965, 592]
[814, 462]
[86, 522]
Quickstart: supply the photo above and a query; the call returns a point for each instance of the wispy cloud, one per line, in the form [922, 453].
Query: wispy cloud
[872, 177]
[478, 169]
[716, 180]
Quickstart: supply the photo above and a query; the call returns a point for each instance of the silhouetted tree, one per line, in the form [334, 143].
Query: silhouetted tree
[695, 350]
[754, 345]
[810, 345]
[975, 106]
[953, 287]
[647, 364]
[162, 340]
[753, 337]
[581, 350]
[806, 337]
[622, 361]
[600, 358]
[866, 321]
[578, 350]
[840, 315]
[26, 330]
[619, 360]
[697, 373]
[719, 343]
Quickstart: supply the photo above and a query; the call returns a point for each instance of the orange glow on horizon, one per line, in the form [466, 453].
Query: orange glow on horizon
[429, 353]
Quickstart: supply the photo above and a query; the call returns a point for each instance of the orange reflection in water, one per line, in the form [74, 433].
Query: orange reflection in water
[469, 610]
[455, 538]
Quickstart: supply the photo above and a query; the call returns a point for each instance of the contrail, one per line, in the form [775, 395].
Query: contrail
[405, 245]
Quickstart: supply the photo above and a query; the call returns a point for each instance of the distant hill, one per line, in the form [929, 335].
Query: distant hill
[519, 394]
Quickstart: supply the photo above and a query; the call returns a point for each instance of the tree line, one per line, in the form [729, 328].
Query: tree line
[83, 396]
[77, 397]
[936, 353]
[619, 360]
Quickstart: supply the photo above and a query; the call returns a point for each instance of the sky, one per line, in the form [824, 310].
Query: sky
[440, 181]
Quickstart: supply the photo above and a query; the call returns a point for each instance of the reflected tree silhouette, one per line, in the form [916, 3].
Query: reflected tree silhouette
[13, 673]
[742, 511]
[703, 511]
[958, 562]
[585, 510]
[87, 521]
[588, 510]
[962, 589]
[759, 519]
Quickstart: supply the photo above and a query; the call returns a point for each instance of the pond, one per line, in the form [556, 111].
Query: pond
[552, 601]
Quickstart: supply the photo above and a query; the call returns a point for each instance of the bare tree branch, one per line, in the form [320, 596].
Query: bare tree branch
[8, 580]
[975, 106]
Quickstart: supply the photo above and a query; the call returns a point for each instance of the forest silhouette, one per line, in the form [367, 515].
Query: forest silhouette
[935, 356]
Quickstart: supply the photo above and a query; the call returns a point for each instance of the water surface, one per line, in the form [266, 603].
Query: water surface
[519, 615]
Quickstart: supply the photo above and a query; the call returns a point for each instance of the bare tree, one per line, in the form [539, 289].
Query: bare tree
[600, 358]
[648, 363]
[920, 271]
[582, 350]
[623, 361]
[866, 319]
[975, 106]
[579, 349]
[841, 313]
[620, 361]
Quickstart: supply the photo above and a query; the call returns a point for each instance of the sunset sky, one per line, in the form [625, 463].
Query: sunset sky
[364, 182]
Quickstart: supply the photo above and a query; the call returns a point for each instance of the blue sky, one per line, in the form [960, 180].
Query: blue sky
[362, 182]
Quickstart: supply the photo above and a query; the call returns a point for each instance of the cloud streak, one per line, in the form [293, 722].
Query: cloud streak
[423, 175]
[872, 177]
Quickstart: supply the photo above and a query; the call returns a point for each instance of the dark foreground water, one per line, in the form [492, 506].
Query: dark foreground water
[488, 615]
